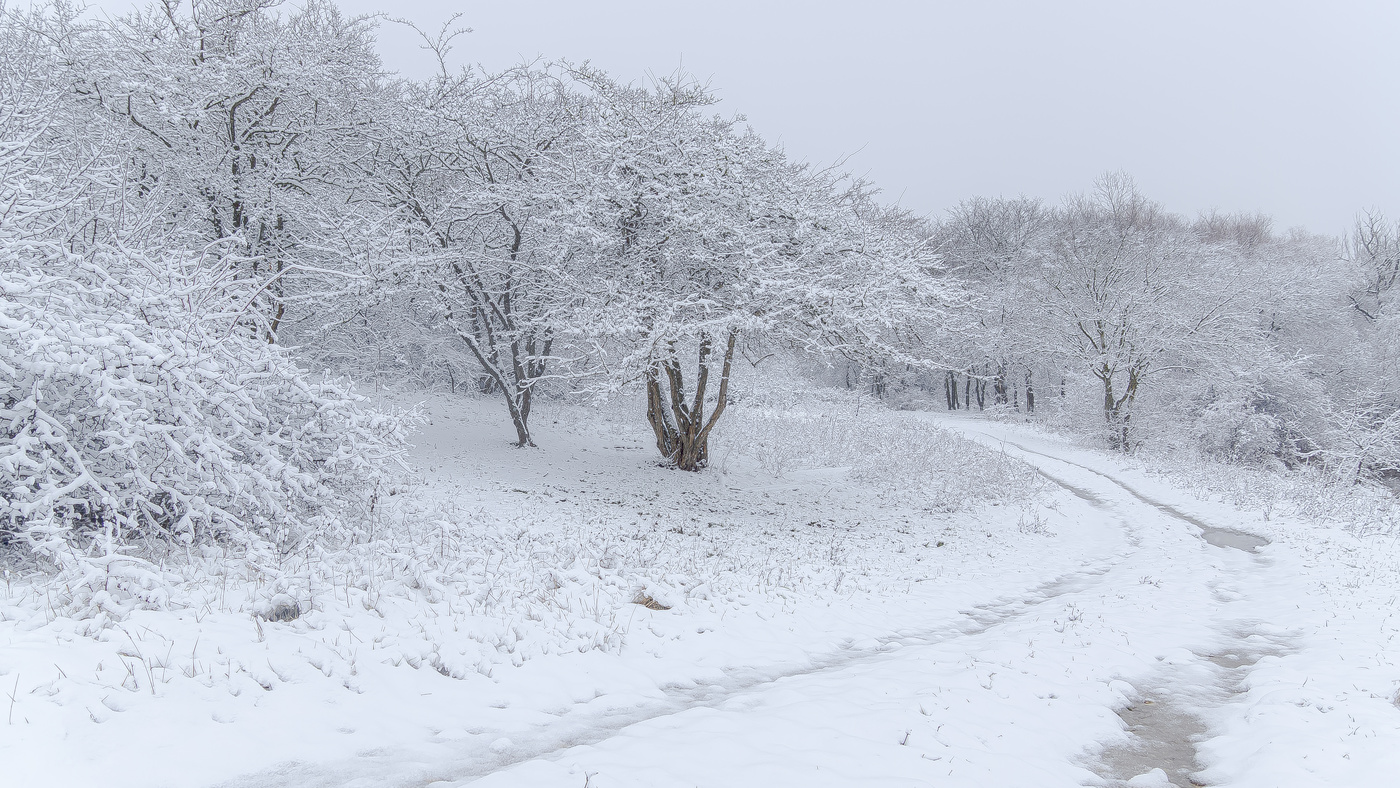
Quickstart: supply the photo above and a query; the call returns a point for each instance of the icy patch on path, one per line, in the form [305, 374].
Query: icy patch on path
[1165, 718]
[1238, 540]
[1166, 726]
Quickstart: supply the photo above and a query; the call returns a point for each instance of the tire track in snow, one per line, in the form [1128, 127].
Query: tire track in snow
[1164, 730]
[1214, 534]
[583, 727]
[974, 621]
[482, 760]
[1166, 723]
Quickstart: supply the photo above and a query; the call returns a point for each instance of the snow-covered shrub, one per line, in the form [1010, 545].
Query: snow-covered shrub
[1234, 430]
[133, 413]
[137, 400]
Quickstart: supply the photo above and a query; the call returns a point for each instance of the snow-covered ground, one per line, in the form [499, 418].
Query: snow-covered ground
[578, 616]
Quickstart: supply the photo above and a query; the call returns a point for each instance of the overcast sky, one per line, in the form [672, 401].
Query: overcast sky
[1284, 107]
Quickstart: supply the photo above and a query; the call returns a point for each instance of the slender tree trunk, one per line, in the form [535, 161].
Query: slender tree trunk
[1030, 394]
[1118, 409]
[520, 417]
[1110, 405]
[515, 383]
[877, 384]
[659, 417]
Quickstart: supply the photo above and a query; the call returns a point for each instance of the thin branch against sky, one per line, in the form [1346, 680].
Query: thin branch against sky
[1248, 106]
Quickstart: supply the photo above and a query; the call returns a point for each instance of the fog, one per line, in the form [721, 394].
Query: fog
[1283, 108]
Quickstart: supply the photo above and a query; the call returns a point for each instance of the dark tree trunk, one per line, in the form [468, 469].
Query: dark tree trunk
[950, 389]
[1030, 394]
[520, 417]
[999, 394]
[681, 428]
[1117, 410]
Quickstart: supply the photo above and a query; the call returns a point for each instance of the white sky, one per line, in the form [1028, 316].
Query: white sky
[1285, 107]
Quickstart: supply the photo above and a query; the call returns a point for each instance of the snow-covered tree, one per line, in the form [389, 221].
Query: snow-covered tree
[134, 402]
[1134, 295]
[703, 237]
[1374, 253]
[476, 170]
[243, 117]
[993, 244]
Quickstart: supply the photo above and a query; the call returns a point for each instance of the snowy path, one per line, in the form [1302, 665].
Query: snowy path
[1135, 628]
[1165, 721]
[1011, 694]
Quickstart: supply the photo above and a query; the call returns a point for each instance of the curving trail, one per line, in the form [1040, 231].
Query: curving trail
[1165, 721]
[1115, 673]
[988, 699]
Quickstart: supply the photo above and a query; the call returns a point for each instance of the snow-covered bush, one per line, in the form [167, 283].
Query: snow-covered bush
[133, 413]
[1240, 429]
[137, 399]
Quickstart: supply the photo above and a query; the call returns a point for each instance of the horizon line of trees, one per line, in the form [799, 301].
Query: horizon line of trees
[1217, 333]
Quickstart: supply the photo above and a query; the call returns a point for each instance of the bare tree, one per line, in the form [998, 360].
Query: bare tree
[241, 119]
[1134, 294]
[1374, 252]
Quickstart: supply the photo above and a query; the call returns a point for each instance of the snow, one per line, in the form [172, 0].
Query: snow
[815, 631]
[1153, 779]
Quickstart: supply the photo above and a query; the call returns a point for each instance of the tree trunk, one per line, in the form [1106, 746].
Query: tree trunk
[1030, 394]
[520, 417]
[999, 394]
[877, 384]
[681, 427]
[516, 384]
[1118, 410]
